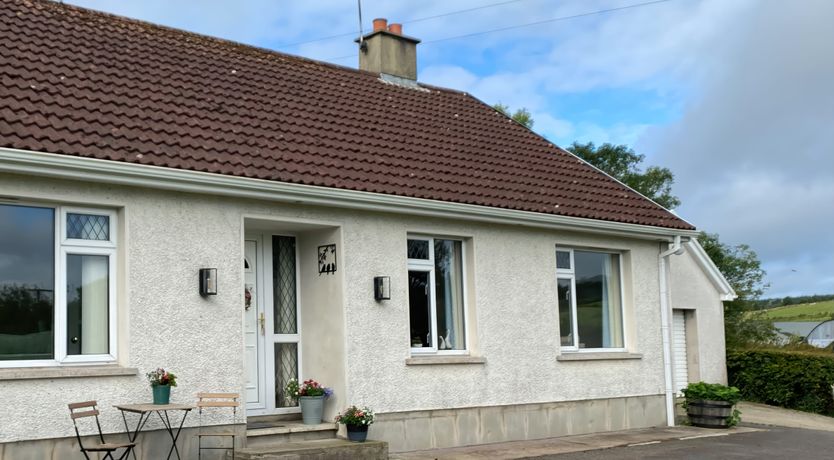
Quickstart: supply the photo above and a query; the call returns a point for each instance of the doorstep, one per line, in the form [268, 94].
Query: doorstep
[321, 449]
[567, 444]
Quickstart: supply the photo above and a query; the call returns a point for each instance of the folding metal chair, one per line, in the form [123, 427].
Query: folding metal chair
[88, 409]
[216, 400]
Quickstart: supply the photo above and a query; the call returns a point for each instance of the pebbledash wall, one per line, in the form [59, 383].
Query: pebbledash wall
[519, 386]
[694, 292]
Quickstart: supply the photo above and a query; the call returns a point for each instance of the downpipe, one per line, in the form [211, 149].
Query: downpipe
[665, 326]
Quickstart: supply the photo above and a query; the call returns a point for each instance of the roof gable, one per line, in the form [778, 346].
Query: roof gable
[89, 84]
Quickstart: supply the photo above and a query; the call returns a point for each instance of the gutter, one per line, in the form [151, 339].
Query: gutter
[665, 326]
[117, 172]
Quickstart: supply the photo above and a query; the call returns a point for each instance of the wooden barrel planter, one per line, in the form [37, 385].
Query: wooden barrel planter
[709, 414]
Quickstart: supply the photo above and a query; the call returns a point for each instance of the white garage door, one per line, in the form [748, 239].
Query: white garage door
[679, 349]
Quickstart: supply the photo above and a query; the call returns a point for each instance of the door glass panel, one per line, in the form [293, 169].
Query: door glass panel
[27, 277]
[87, 304]
[563, 260]
[420, 315]
[565, 312]
[283, 282]
[286, 368]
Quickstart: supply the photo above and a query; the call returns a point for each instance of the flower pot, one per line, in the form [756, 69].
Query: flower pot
[709, 414]
[311, 409]
[161, 394]
[357, 433]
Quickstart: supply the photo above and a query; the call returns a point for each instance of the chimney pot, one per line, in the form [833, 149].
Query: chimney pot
[380, 24]
[396, 29]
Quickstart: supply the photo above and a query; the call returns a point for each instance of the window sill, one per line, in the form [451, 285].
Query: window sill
[64, 372]
[601, 356]
[448, 359]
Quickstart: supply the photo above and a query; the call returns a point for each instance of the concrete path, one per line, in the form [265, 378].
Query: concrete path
[761, 414]
[542, 448]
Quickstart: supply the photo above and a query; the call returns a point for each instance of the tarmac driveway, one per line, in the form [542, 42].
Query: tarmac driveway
[771, 442]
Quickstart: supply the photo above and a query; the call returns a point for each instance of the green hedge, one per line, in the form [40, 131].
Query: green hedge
[794, 379]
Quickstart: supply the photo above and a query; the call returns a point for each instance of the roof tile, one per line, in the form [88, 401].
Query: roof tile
[89, 84]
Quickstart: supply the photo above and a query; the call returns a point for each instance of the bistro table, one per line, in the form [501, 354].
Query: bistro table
[145, 410]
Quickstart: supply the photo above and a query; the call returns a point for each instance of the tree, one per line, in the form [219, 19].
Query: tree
[623, 164]
[522, 116]
[741, 267]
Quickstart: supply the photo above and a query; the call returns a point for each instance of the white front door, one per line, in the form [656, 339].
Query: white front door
[272, 324]
[255, 388]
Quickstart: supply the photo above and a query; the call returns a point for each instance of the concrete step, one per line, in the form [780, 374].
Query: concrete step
[283, 431]
[319, 449]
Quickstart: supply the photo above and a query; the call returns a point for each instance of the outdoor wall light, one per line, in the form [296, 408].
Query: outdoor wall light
[208, 281]
[382, 288]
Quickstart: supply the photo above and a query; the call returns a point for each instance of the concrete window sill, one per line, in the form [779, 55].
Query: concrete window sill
[65, 372]
[434, 360]
[580, 356]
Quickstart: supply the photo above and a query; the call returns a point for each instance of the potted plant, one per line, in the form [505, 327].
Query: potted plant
[711, 405]
[161, 383]
[356, 421]
[310, 395]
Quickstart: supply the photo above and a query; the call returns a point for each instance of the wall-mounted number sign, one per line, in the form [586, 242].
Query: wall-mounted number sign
[327, 259]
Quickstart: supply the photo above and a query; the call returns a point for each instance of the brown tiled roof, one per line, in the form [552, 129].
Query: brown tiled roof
[89, 84]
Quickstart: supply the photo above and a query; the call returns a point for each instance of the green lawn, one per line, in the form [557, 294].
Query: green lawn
[816, 311]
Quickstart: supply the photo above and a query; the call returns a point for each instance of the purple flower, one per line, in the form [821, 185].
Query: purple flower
[328, 392]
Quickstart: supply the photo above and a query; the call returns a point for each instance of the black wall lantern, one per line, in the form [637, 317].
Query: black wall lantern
[208, 281]
[382, 288]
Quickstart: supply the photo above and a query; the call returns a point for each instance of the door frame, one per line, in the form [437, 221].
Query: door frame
[265, 300]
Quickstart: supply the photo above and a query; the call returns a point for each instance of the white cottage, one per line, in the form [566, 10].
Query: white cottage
[528, 294]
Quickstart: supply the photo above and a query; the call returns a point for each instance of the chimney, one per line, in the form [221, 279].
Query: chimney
[386, 50]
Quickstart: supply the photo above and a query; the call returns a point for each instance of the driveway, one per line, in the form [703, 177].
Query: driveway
[772, 442]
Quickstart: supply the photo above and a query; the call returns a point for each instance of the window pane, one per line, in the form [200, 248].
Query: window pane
[448, 279]
[283, 282]
[563, 260]
[599, 310]
[565, 312]
[88, 227]
[286, 368]
[418, 306]
[87, 305]
[27, 272]
[418, 249]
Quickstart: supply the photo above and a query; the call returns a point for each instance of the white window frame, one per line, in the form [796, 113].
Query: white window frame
[570, 273]
[427, 265]
[63, 247]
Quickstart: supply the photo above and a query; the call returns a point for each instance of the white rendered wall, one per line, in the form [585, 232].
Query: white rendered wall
[164, 322]
[692, 289]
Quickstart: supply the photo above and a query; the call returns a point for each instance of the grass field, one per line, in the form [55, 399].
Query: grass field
[816, 311]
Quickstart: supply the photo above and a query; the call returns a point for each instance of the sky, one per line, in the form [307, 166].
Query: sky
[736, 97]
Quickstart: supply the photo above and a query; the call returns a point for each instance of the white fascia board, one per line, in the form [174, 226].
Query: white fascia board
[156, 177]
[713, 273]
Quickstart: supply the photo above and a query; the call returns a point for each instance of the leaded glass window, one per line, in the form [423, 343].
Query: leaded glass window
[88, 227]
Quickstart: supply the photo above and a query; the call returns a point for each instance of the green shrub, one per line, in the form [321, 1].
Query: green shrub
[796, 379]
[711, 391]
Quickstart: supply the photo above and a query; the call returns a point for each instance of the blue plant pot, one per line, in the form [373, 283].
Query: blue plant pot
[161, 394]
[311, 409]
[357, 433]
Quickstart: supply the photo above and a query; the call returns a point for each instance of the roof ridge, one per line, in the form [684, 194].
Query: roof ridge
[231, 44]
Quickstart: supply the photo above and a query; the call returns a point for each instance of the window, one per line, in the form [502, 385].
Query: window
[590, 299]
[57, 291]
[435, 295]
